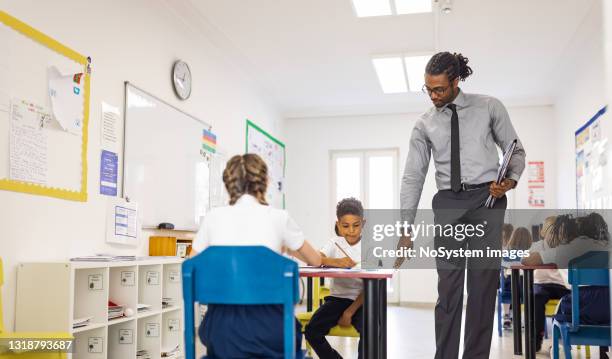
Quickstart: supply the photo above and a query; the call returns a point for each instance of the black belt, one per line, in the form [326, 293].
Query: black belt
[471, 187]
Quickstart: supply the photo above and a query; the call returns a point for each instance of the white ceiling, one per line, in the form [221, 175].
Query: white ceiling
[312, 57]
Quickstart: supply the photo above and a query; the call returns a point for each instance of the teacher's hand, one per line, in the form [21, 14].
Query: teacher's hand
[499, 190]
[404, 242]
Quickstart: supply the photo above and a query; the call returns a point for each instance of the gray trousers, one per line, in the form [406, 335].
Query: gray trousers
[467, 207]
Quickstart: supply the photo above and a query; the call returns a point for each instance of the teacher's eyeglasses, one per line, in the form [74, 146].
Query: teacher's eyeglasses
[437, 90]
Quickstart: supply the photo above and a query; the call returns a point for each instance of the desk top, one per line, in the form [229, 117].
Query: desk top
[541, 266]
[346, 273]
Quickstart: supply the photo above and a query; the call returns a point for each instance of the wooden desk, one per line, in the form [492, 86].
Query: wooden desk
[528, 301]
[374, 334]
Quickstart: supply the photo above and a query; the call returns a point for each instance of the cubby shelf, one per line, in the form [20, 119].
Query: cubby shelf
[51, 295]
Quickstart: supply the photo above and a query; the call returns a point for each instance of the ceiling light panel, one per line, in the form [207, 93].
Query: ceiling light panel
[390, 71]
[366, 8]
[404, 7]
[415, 68]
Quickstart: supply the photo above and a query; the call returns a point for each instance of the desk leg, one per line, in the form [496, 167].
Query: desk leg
[309, 294]
[516, 312]
[383, 318]
[529, 314]
[371, 323]
[321, 284]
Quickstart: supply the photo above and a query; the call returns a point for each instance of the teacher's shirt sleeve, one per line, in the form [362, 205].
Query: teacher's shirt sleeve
[504, 134]
[415, 170]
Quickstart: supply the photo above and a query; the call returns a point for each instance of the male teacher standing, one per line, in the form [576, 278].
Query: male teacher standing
[463, 132]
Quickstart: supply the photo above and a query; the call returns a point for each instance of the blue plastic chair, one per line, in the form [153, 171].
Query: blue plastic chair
[590, 269]
[502, 298]
[240, 275]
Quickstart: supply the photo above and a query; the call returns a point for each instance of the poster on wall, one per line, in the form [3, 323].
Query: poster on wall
[272, 151]
[592, 169]
[536, 189]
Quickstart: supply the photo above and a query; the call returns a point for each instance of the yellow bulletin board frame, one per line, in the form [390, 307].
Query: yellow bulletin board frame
[42, 39]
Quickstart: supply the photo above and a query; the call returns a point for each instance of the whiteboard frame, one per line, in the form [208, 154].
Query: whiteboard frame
[125, 103]
[52, 44]
[127, 85]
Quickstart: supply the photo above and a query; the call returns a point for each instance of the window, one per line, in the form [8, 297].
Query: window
[368, 175]
[372, 177]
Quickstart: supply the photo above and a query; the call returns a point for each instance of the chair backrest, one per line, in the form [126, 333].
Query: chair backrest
[586, 270]
[240, 275]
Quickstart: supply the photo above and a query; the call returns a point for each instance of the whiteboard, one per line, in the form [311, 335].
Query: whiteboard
[166, 171]
[272, 151]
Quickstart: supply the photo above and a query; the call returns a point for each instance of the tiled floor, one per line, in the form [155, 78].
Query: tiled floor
[411, 335]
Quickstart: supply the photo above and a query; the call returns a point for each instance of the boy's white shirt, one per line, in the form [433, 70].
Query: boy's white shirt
[348, 288]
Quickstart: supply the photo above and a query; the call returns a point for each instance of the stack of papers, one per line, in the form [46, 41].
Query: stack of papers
[97, 258]
[114, 310]
[143, 354]
[81, 322]
[103, 258]
[170, 352]
[144, 307]
[167, 302]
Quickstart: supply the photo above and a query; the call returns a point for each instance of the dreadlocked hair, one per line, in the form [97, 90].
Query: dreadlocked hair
[563, 231]
[453, 65]
[546, 230]
[593, 226]
[348, 206]
[246, 174]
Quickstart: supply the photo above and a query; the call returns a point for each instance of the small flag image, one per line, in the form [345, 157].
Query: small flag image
[209, 141]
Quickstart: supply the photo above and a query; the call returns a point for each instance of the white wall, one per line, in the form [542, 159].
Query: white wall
[136, 40]
[309, 141]
[582, 92]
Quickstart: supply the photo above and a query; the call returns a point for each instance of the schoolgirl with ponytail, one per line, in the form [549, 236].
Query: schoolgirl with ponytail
[248, 220]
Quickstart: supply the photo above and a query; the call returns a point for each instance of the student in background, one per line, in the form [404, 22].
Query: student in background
[507, 230]
[576, 237]
[343, 306]
[242, 331]
[518, 239]
[548, 283]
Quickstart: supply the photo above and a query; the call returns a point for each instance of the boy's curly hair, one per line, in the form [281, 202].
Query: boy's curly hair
[348, 206]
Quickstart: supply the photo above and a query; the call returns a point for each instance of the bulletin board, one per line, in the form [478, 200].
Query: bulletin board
[272, 151]
[593, 170]
[44, 113]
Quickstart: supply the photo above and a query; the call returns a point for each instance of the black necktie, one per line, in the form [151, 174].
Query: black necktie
[455, 159]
